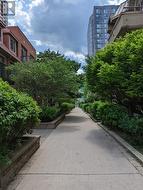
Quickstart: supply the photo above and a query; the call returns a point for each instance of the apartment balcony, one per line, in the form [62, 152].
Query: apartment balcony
[126, 19]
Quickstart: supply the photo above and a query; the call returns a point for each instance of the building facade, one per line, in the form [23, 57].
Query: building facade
[97, 35]
[14, 46]
[128, 17]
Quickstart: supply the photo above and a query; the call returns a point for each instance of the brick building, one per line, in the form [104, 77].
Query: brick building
[14, 45]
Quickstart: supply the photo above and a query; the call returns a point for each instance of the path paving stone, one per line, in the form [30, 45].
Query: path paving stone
[79, 155]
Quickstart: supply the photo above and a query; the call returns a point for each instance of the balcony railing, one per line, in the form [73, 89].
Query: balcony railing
[125, 7]
[132, 8]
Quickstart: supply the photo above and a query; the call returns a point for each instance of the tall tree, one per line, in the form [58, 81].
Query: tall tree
[116, 72]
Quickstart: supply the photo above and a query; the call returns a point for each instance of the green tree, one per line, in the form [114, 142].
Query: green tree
[49, 79]
[116, 72]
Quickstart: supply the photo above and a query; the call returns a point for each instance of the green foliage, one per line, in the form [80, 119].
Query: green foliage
[49, 113]
[48, 55]
[134, 126]
[115, 73]
[18, 112]
[112, 114]
[116, 117]
[66, 107]
[48, 79]
[86, 107]
[4, 156]
[97, 108]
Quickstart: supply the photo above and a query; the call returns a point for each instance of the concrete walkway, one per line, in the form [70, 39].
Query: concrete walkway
[79, 155]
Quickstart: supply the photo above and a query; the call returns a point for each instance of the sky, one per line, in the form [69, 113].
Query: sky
[59, 25]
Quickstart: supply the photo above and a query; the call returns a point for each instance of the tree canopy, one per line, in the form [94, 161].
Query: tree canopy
[48, 79]
[116, 72]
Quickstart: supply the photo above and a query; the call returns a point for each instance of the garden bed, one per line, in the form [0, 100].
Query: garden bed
[51, 125]
[18, 159]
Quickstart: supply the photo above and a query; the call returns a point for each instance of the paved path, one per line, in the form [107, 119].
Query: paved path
[79, 155]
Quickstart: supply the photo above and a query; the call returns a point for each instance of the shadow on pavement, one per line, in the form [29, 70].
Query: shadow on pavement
[74, 119]
[67, 129]
[101, 139]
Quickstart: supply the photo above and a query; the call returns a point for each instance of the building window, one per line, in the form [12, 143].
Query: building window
[23, 54]
[2, 67]
[13, 44]
[97, 11]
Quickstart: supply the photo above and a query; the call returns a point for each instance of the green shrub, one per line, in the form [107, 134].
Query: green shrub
[97, 108]
[49, 113]
[4, 156]
[66, 107]
[18, 112]
[133, 126]
[112, 114]
[84, 106]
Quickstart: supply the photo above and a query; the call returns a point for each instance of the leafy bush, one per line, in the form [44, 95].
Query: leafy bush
[113, 115]
[49, 113]
[66, 107]
[18, 112]
[96, 109]
[133, 126]
[84, 106]
[4, 158]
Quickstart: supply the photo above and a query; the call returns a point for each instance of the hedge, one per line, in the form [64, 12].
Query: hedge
[18, 112]
[116, 116]
[49, 113]
[66, 107]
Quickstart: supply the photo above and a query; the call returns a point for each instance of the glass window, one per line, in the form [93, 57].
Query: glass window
[97, 11]
[98, 25]
[99, 46]
[98, 30]
[2, 67]
[23, 54]
[13, 44]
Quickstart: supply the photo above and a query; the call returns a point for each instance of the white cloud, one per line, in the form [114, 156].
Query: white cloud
[80, 71]
[115, 2]
[57, 24]
[79, 57]
[36, 3]
[22, 17]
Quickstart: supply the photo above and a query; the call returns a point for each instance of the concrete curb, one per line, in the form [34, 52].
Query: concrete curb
[52, 124]
[121, 141]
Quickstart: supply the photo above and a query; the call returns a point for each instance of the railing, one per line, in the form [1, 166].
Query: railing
[124, 7]
[133, 8]
[4, 19]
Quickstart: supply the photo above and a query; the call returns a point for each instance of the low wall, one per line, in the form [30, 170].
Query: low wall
[20, 158]
[52, 124]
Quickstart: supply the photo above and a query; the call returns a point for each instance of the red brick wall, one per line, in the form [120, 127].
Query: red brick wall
[22, 41]
[6, 40]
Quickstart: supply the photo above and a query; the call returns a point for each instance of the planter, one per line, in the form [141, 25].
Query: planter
[18, 160]
[52, 124]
